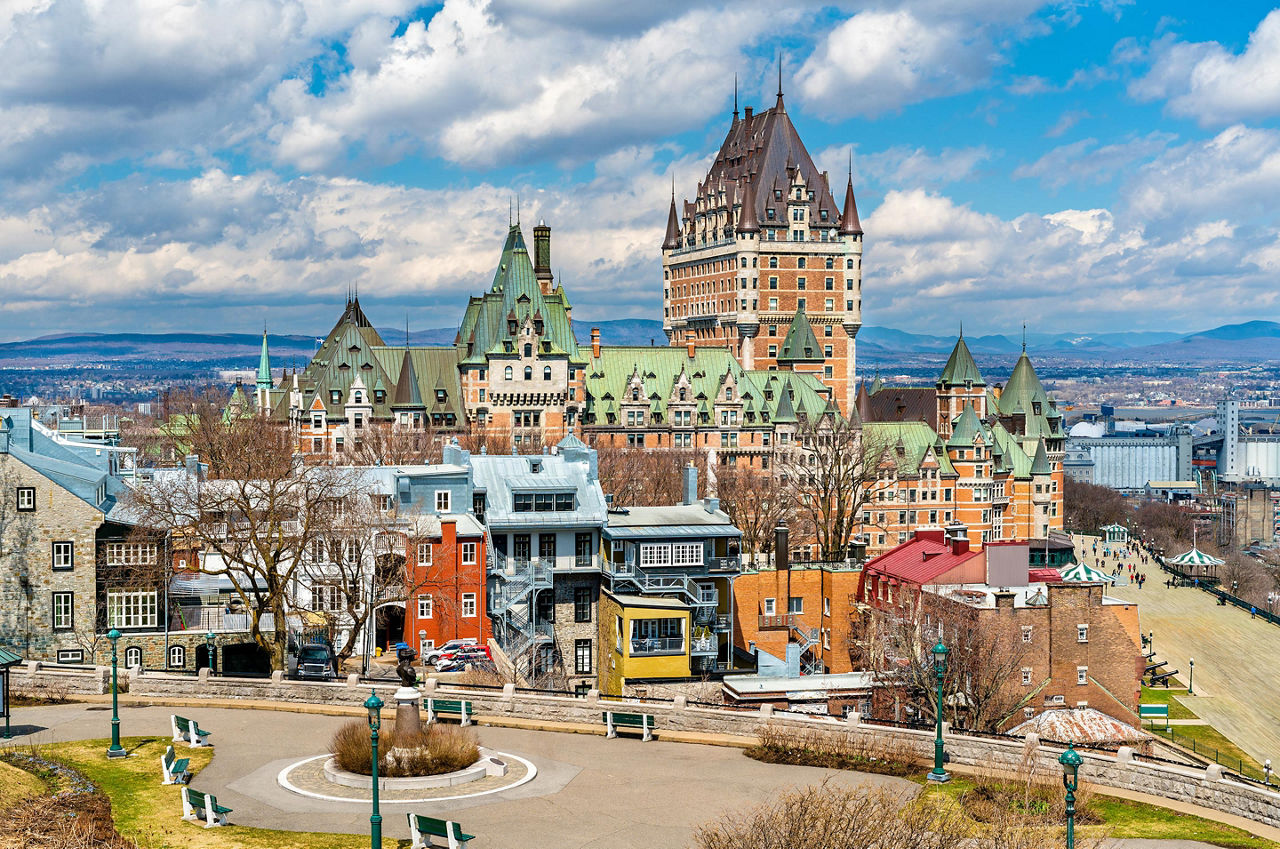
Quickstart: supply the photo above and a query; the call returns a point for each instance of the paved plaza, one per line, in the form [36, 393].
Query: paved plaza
[1237, 686]
[589, 792]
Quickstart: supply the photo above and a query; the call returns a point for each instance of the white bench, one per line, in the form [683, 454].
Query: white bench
[188, 731]
[423, 829]
[197, 806]
[173, 769]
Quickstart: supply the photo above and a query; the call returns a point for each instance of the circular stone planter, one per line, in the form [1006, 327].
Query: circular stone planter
[488, 764]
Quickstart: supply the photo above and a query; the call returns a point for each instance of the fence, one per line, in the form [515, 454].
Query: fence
[1213, 753]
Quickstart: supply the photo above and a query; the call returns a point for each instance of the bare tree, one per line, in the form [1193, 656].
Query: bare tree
[1088, 507]
[756, 500]
[255, 518]
[833, 470]
[647, 477]
[384, 444]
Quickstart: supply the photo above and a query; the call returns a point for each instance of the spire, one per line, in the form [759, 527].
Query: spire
[672, 240]
[781, 107]
[735, 100]
[747, 221]
[849, 223]
[1024, 337]
[960, 366]
[407, 393]
[264, 364]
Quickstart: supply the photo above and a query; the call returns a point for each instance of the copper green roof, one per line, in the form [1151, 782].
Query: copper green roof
[961, 368]
[408, 392]
[8, 658]
[801, 345]
[264, 365]
[1040, 465]
[1011, 457]
[1024, 397]
[908, 445]
[495, 322]
[967, 428]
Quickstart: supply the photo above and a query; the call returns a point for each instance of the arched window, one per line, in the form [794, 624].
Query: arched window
[528, 350]
[132, 657]
[528, 372]
[681, 394]
[546, 373]
[177, 657]
[635, 394]
[507, 373]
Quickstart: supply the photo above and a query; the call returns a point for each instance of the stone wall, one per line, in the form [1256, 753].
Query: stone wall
[1209, 787]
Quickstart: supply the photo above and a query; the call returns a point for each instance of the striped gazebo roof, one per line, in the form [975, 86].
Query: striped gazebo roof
[1196, 557]
[1079, 572]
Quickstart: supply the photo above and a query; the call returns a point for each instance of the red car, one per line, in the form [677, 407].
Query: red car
[463, 657]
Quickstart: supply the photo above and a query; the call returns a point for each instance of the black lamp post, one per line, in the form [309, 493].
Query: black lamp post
[374, 706]
[939, 774]
[115, 750]
[1070, 761]
[209, 639]
[1266, 772]
[1191, 677]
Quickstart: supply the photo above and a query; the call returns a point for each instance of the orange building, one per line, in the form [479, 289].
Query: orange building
[445, 581]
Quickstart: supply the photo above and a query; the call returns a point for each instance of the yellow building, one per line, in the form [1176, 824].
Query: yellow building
[643, 637]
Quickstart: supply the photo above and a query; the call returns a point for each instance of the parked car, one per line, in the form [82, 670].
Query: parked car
[315, 662]
[463, 657]
[433, 655]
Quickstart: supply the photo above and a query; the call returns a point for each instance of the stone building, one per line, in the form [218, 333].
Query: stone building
[762, 241]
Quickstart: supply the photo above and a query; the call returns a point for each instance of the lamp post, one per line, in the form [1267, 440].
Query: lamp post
[374, 706]
[939, 774]
[1191, 677]
[1266, 772]
[115, 750]
[1070, 761]
[209, 648]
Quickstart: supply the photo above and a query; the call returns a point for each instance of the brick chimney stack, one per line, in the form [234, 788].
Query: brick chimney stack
[688, 343]
[595, 343]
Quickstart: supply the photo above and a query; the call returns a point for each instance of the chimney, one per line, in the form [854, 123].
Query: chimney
[748, 113]
[781, 547]
[688, 343]
[958, 538]
[542, 256]
[595, 343]
[690, 488]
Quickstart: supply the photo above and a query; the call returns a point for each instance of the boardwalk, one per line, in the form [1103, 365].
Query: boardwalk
[1237, 685]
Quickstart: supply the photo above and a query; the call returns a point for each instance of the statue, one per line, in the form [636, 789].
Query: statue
[408, 675]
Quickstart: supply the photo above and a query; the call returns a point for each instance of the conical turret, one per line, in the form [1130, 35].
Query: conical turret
[849, 223]
[672, 241]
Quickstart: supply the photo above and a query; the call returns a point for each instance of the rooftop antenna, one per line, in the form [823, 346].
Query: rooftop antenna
[510, 220]
[1024, 337]
[735, 99]
[779, 73]
[517, 209]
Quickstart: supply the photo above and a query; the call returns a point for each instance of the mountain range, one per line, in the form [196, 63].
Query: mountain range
[1252, 342]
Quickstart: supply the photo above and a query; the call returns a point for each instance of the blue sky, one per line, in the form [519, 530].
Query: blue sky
[1083, 167]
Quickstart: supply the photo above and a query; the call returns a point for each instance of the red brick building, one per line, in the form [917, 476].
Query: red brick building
[445, 581]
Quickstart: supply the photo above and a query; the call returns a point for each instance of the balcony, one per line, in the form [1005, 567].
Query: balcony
[724, 564]
[650, 646]
[704, 646]
[781, 620]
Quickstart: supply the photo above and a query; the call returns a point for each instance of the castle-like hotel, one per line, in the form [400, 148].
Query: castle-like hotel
[762, 295]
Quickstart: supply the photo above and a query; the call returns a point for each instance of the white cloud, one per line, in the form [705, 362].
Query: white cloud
[1086, 161]
[902, 166]
[1213, 85]
[482, 89]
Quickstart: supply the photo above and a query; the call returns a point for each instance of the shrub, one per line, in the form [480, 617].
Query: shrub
[438, 749]
[1034, 793]
[865, 752]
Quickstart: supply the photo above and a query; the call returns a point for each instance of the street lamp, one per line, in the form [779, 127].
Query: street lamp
[939, 774]
[115, 750]
[374, 706]
[209, 648]
[1191, 677]
[1266, 772]
[1070, 761]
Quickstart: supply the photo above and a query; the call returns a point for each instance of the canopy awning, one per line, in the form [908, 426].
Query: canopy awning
[1196, 557]
[1079, 573]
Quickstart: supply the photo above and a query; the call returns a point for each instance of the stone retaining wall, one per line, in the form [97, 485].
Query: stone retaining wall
[1209, 787]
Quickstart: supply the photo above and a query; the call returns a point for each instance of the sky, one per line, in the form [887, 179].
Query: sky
[214, 166]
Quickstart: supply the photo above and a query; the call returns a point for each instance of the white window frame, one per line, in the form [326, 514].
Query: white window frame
[26, 499]
[177, 657]
[1026, 633]
[686, 554]
[424, 554]
[1082, 675]
[1026, 676]
[131, 554]
[133, 609]
[654, 554]
[468, 554]
[1082, 633]
[426, 606]
[132, 652]
[770, 607]
[326, 596]
[444, 500]
[64, 555]
[64, 611]
[468, 605]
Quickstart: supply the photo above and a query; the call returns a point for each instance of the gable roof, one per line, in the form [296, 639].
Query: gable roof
[919, 561]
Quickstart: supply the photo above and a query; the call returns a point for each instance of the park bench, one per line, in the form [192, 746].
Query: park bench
[197, 806]
[461, 707]
[614, 720]
[188, 731]
[1162, 678]
[423, 829]
[173, 769]
[1154, 712]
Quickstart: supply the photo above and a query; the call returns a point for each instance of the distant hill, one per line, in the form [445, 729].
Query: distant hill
[1249, 341]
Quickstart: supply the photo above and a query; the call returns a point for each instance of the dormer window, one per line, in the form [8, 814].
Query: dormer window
[358, 397]
[379, 396]
[768, 213]
[441, 395]
[1035, 408]
[777, 194]
[335, 396]
[728, 393]
[635, 394]
[528, 350]
[537, 327]
[823, 215]
[682, 394]
[511, 325]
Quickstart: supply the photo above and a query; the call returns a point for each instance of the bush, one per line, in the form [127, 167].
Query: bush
[438, 749]
[1034, 793]
[836, 750]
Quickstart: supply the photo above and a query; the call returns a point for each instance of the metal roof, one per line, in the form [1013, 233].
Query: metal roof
[8, 658]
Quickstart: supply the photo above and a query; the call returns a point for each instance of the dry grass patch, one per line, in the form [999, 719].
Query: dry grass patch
[437, 749]
[863, 752]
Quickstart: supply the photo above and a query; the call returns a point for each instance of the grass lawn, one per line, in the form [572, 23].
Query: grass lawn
[16, 785]
[149, 812]
[1206, 738]
[1125, 818]
[1172, 698]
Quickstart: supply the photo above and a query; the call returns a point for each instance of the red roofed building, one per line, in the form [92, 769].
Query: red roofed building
[934, 556]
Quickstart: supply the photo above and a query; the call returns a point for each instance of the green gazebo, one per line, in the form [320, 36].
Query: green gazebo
[7, 659]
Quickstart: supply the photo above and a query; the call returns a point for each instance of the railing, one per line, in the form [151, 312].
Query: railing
[657, 645]
[724, 564]
[704, 645]
[390, 593]
[583, 561]
[781, 620]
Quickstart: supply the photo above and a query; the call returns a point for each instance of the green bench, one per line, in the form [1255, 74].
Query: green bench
[614, 720]
[197, 806]
[1154, 712]
[423, 829]
[173, 769]
[188, 731]
[461, 707]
